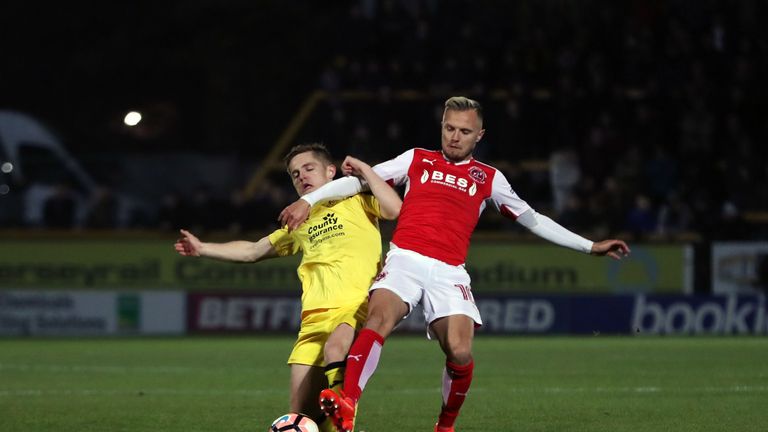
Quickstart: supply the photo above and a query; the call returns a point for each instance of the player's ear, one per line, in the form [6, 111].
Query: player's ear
[331, 171]
[480, 135]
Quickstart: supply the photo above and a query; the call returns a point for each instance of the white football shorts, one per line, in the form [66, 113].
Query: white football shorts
[442, 289]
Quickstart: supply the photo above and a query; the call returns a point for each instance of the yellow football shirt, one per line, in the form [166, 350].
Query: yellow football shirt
[341, 246]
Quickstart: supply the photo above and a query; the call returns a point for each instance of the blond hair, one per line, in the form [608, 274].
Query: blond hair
[461, 103]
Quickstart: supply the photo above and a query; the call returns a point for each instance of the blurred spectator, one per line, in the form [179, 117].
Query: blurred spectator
[102, 210]
[641, 219]
[260, 212]
[660, 173]
[59, 210]
[730, 225]
[172, 215]
[575, 216]
[241, 214]
[674, 216]
[201, 210]
[660, 104]
[609, 206]
[564, 174]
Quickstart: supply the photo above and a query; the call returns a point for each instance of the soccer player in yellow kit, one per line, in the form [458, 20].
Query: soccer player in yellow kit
[341, 247]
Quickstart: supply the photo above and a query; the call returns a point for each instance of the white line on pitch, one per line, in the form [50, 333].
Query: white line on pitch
[146, 392]
[425, 390]
[114, 369]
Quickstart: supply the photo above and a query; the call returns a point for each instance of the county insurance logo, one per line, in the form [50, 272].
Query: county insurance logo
[330, 224]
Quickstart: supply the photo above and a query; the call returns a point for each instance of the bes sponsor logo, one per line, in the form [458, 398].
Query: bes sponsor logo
[730, 315]
[450, 180]
[478, 174]
[380, 276]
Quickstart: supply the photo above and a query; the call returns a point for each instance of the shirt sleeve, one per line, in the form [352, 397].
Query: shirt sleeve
[283, 242]
[548, 229]
[395, 171]
[335, 190]
[505, 199]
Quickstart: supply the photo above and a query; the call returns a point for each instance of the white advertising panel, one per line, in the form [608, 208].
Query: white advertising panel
[91, 313]
[740, 268]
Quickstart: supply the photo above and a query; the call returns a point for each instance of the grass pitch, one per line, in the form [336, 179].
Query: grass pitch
[521, 384]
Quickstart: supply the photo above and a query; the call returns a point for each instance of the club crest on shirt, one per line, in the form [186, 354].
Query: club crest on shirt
[477, 174]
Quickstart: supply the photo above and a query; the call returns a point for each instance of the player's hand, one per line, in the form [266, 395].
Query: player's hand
[615, 249]
[294, 215]
[188, 244]
[354, 166]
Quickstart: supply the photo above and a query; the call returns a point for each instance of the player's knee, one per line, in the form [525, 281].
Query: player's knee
[334, 352]
[381, 322]
[459, 354]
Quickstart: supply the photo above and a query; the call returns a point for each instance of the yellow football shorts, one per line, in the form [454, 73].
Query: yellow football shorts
[317, 325]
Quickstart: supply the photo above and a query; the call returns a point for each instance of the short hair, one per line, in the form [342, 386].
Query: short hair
[461, 103]
[319, 149]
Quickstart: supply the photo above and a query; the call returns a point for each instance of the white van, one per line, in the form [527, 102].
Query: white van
[33, 163]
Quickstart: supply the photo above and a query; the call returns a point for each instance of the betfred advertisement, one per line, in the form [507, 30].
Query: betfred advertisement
[641, 315]
[243, 312]
[88, 313]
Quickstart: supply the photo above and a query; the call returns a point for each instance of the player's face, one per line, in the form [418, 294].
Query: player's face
[308, 172]
[461, 132]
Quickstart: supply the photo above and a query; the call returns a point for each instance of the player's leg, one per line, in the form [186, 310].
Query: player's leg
[335, 353]
[385, 310]
[344, 323]
[450, 310]
[386, 307]
[306, 382]
[455, 334]
[307, 371]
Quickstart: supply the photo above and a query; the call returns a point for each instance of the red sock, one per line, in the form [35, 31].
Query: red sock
[456, 382]
[362, 360]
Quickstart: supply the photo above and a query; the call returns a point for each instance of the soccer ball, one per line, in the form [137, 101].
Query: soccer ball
[293, 423]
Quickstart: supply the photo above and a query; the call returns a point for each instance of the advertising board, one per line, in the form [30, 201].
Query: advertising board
[494, 267]
[91, 313]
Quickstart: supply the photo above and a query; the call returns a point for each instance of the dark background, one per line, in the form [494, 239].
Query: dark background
[662, 103]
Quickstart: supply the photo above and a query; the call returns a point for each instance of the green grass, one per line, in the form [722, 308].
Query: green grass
[521, 384]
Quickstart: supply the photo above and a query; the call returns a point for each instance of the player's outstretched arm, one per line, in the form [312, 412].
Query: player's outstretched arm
[389, 200]
[548, 229]
[235, 251]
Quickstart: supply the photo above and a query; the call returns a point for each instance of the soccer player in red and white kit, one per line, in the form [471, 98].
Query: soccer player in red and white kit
[445, 192]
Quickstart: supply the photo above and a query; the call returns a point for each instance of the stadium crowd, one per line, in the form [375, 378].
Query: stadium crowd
[639, 117]
[648, 114]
